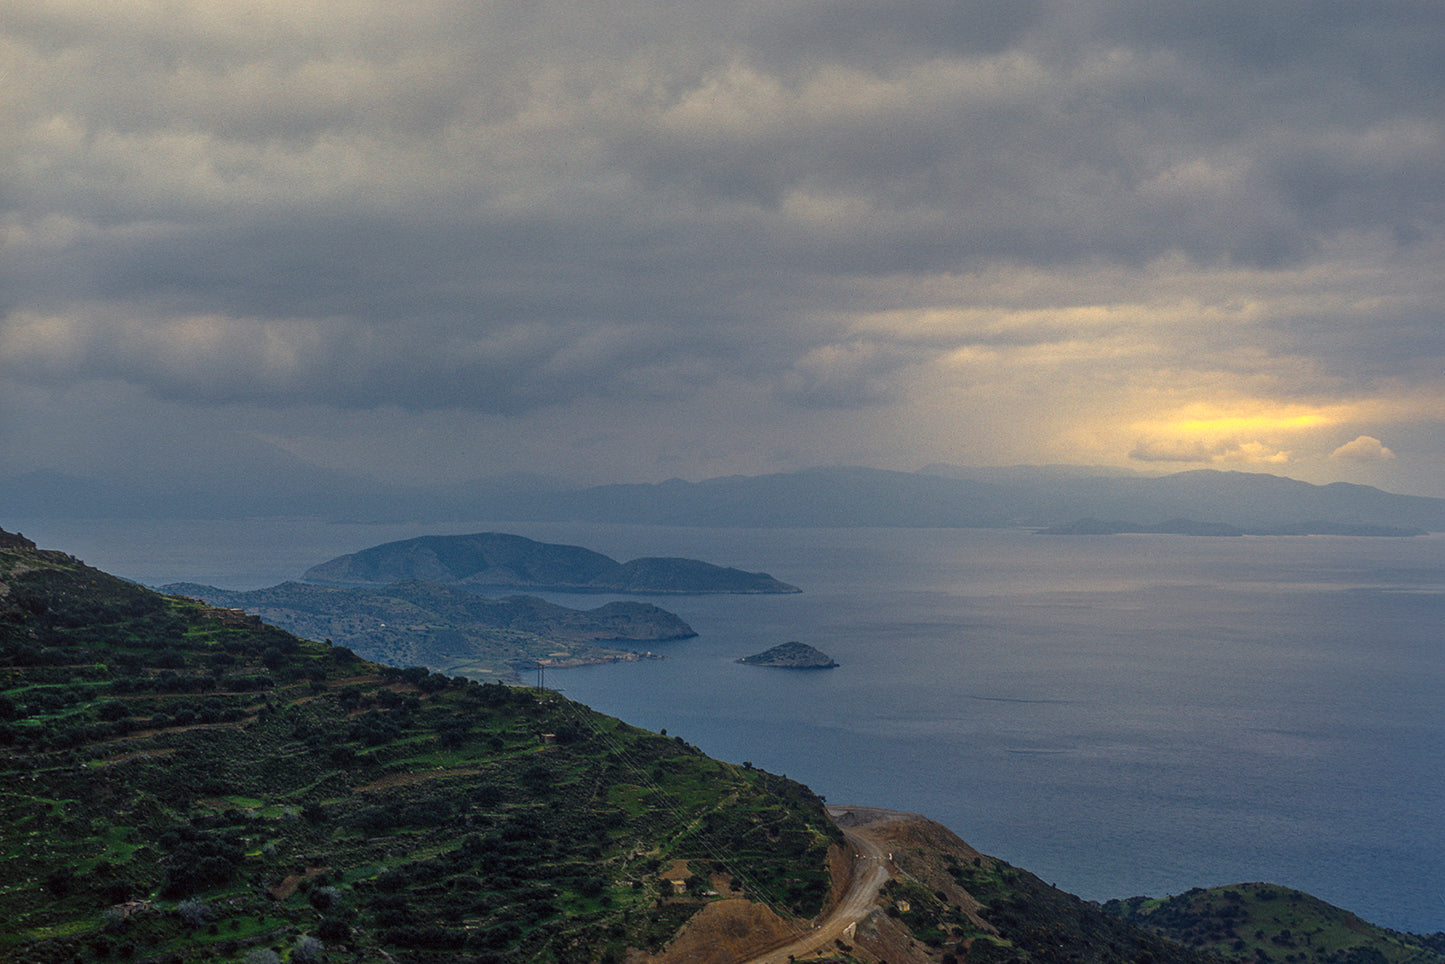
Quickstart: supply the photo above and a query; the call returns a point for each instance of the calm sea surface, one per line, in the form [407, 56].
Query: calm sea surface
[1121, 715]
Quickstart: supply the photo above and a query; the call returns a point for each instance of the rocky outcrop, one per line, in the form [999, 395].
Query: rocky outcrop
[792, 655]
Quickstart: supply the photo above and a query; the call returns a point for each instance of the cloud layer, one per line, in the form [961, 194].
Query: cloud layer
[841, 231]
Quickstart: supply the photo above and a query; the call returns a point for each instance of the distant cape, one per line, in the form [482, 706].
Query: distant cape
[1189, 527]
[500, 560]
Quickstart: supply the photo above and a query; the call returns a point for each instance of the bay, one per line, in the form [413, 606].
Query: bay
[1121, 715]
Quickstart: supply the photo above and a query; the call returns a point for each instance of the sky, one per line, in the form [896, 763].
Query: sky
[448, 239]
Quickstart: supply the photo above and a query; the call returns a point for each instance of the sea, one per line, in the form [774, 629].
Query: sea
[1120, 715]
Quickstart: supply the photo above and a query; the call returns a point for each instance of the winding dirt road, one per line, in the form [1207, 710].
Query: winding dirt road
[871, 871]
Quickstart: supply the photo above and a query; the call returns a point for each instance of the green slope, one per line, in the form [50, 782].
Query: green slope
[1264, 923]
[187, 783]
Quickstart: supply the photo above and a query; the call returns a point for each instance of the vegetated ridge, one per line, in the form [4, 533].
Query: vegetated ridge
[1264, 922]
[453, 630]
[184, 782]
[187, 783]
[792, 655]
[496, 559]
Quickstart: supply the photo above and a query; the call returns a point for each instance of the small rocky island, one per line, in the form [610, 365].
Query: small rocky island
[792, 655]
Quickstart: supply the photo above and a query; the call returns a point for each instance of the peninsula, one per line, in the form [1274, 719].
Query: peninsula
[452, 629]
[1189, 527]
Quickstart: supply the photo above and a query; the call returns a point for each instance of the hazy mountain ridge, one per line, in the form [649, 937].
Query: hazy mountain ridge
[822, 497]
[188, 785]
[495, 559]
[875, 497]
[1188, 527]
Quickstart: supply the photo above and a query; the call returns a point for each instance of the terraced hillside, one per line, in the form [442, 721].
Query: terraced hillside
[183, 782]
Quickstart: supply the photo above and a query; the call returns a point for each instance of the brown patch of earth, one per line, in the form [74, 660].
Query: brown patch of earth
[882, 938]
[407, 779]
[731, 930]
[676, 874]
[918, 847]
[840, 872]
[288, 886]
[137, 755]
[352, 681]
[723, 932]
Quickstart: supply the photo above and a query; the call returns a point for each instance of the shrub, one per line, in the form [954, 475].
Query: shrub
[306, 949]
[195, 913]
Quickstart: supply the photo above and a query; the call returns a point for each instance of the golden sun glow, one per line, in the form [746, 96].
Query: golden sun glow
[1258, 432]
[1260, 418]
[1247, 424]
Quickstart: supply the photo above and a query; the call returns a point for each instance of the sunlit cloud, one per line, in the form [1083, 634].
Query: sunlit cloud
[1365, 448]
[1258, 433]
[1246, 424]
[1197, 451]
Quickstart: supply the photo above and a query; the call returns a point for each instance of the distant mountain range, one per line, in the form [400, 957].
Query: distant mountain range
[941, 496]
[874, 497]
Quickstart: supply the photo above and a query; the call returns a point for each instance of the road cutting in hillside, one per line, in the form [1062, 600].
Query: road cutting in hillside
[871, 870]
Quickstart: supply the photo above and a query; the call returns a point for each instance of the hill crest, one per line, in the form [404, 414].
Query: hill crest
[502, 560]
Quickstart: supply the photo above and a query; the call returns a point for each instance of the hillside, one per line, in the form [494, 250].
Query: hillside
[452, 630]
[1263, 922]
[495, 559]
[188, 783]
[948, 901]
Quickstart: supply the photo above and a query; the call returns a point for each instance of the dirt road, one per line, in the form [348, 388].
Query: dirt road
[871, 871]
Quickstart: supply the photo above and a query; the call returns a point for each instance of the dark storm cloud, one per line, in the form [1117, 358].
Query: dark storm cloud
[879, 35]
[512, 209]
[1390, 46]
